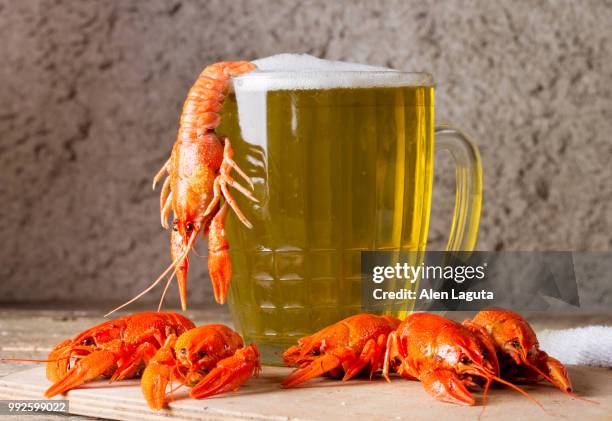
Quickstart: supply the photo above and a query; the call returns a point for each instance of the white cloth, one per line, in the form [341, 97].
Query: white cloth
[589, 345]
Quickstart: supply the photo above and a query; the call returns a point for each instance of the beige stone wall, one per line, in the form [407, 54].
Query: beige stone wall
[90, 93]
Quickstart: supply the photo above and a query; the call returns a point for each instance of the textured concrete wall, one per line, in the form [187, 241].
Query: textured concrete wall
[90, 92]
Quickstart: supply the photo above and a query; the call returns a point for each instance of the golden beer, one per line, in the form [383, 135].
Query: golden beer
[337, 170]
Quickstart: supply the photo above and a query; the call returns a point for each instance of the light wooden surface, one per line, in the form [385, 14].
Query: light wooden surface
[31, 333]
[325, 399]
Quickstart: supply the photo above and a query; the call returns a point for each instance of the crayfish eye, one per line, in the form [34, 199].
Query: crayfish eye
[315, 352]
[465, 360]
[516, 343]
[189, 226]
[202, 354]
[183, 351]
[87, 342]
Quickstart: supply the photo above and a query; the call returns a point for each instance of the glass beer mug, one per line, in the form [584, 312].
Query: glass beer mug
[342, 162]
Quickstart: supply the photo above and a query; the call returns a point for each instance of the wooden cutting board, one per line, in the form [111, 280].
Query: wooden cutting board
[262, 399]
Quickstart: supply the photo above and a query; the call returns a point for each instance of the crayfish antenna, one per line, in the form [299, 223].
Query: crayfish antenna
[34, 360]
[149, 288]
[173, 265]
[484, 398]
[518, 389]
[161, 300]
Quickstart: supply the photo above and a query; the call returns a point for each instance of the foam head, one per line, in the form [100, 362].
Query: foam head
[306, 62]
[285, 72]
[303, 71]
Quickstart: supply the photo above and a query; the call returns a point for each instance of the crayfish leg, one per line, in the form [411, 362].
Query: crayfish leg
[372, 354]
[127, 369]
[224, 179]
[391, 354]
[165, 203]
[487, 341]
[229, 373]
[161, 173]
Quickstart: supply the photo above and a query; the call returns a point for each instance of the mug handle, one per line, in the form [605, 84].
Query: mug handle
[468, 194]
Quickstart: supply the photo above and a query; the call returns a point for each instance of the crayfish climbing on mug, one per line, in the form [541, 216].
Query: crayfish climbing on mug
[198, 174]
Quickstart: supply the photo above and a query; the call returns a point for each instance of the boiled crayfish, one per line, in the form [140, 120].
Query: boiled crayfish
[445, 356]
[198, 175]
[342, 349]
[211, 359]
[117, 349]
[518, 351]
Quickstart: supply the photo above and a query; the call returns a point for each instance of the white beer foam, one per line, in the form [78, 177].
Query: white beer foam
[303, 71]
[301, 62]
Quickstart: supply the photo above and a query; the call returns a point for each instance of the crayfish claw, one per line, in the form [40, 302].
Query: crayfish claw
[154, 383]
[558, 373]
[316, 368]
[178, 249]
[229, 373]
[219, 261]
[88, 368]
[444, 385]
[158, 374]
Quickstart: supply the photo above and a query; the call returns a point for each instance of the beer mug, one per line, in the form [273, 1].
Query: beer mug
[342, 162]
